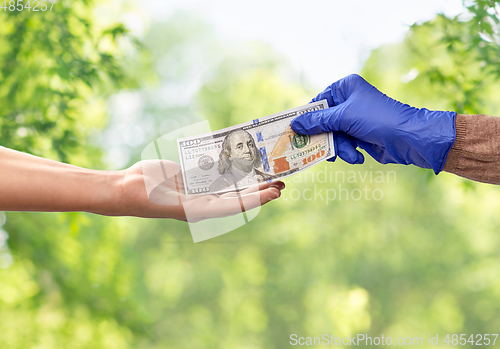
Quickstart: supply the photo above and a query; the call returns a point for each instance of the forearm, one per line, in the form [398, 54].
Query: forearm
[476, 152]
[30, 183]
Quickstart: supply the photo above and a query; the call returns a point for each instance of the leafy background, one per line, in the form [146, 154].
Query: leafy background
[423, 260]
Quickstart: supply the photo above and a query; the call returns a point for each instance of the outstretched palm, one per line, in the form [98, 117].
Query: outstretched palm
[155, 189]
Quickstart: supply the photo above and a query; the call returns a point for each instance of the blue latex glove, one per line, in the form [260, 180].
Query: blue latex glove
[391, 132]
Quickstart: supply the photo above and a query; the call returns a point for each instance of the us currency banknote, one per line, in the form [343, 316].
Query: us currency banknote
[261, 150]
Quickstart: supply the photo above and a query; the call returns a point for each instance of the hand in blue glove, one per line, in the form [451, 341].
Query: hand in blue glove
[391, 132]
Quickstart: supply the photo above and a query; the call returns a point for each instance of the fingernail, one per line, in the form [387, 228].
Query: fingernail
[279, 186]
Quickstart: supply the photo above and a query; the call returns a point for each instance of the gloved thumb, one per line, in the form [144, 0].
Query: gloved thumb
[319, 121]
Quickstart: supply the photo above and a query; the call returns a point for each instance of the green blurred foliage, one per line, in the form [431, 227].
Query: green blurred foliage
[249, 82]
[55, 69]
[422, 260]
[447, 63]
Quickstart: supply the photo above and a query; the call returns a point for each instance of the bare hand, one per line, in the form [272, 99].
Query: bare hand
[155, 189]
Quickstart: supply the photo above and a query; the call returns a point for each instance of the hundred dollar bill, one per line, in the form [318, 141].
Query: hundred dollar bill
[261, 150]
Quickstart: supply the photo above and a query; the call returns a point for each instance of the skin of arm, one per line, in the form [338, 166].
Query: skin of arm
[31, 183]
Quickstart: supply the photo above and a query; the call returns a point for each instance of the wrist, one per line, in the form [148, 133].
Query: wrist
[448, 137]
[432, 138]
[109, 193]
[128, 196]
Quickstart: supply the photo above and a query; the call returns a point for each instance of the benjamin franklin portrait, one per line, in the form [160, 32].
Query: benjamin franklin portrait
[238, 163]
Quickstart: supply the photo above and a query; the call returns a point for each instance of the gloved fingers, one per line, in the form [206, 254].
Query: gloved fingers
[315, 122]
[361, 158]
[346, 149]
[376, 151]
